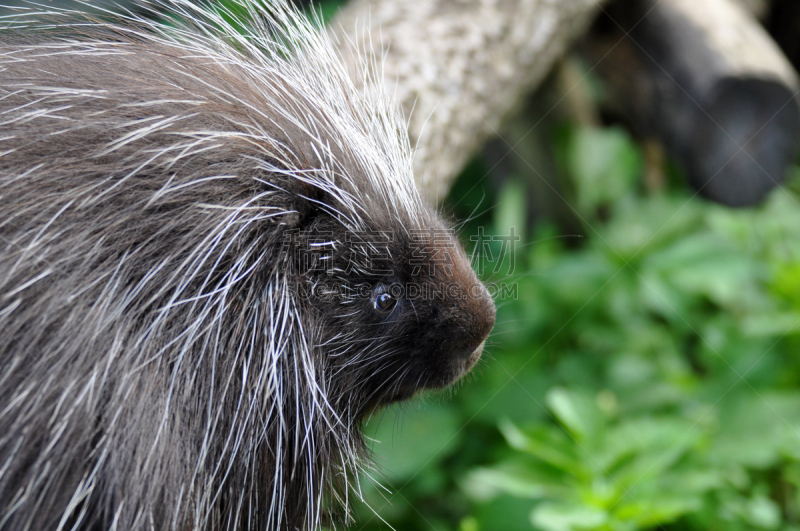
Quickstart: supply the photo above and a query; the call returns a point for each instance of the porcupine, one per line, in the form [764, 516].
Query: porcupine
[204, 244]
[208, 242]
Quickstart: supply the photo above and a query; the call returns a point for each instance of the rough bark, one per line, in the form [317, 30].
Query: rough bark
[459, 66]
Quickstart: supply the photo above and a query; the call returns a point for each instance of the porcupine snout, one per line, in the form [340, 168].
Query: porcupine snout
[473, 319]
[454, 317]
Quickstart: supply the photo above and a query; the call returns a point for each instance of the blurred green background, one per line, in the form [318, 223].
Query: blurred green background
[644, 377]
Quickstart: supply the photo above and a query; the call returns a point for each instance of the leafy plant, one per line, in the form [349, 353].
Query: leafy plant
[645, 378]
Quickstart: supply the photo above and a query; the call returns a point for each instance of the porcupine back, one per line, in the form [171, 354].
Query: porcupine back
[185, 217]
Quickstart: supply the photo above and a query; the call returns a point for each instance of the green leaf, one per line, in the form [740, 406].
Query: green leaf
[763, 513]
[568, 517]
[770, 325]
[549, 445]
[604, 165]
[520, 479]
[755, 429]
[512, 210]
[578, 413]
[662, 509]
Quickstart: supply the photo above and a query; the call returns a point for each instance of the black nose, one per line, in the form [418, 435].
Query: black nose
[474, 330]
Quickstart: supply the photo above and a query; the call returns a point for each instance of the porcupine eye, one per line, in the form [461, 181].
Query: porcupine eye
[383, 302]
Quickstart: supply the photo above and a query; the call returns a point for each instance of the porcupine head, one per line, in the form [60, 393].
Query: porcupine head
[215, 265]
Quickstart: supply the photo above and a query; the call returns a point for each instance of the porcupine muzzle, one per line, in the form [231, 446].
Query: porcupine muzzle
[464, 335]
[451, 323]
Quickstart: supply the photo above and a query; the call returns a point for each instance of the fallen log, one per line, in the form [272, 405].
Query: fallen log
[460, 66]
[706, 79]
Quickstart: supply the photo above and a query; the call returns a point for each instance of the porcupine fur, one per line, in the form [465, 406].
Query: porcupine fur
[200, 234]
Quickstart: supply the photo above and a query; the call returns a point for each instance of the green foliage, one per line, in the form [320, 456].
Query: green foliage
[644, 377]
